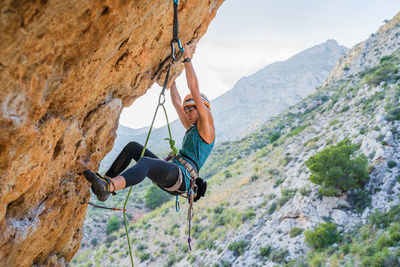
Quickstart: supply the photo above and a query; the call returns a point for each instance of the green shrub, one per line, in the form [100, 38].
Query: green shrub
[110, 239]
[140, 247]
[227, 174]
[359, 200]
[393, 113]
[394, 231]
[144, 256]
[286, 195]
[382, 242]
[384, 258]
[279, 255]
[219, 209]
[113, 224]
[272, 208]
[248, 214]
[155, 197]
[94, 242]
[305, 191]
[333, 122]
[224, 263]
[392, 164]
[238, 247]
[298, 130]
[337, 169]
[323, 235]
[273, 172]
[295, 231]
[317, 260]
[381, 73]
[111, 258]
[171, 260]
[254, 177]
[278, 181]
[383, 220]
[274, 136]
[265, 251]
[345, 108]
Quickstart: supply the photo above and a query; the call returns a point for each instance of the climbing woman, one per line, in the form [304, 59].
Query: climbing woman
[174, 174]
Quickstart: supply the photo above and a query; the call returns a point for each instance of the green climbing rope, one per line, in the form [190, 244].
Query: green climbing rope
[173, 148]
[161, 101]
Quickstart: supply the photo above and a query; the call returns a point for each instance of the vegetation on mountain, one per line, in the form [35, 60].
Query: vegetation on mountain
[155, 197]
[386, 70]
[376, 243]
[337, 170]
[238, 247]
[323, 235]
[113, 224]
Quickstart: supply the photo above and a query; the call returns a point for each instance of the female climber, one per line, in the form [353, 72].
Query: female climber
[172, 175]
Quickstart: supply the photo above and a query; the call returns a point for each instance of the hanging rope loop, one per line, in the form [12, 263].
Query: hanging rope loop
[175, 33]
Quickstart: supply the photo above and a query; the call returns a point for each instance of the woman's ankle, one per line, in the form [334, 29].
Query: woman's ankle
[117, 183]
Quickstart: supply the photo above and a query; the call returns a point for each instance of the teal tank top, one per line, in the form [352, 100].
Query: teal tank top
[194, 148]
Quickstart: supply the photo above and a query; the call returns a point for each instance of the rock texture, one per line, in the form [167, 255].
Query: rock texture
[66, 70]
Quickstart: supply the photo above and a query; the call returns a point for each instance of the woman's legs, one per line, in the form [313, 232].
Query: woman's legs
[131, 151]
[159, 171]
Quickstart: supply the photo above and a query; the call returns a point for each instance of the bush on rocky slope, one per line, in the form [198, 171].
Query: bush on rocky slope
[337, 169]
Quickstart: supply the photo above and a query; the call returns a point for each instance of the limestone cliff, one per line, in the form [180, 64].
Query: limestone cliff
[66, 70]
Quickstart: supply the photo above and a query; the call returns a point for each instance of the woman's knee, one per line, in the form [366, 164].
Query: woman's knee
[132, 146]
[145, 160]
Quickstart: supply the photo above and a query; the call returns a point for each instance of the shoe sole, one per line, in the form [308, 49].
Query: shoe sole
[94, 180]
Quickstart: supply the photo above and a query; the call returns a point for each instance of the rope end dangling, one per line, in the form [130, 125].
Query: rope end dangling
[177, 205]
[190, 240]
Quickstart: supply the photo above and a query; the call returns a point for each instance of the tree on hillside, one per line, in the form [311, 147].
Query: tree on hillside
[155, 197]
[113, 224]
[337, 169]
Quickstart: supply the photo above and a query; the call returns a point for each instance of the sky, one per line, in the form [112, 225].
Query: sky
[247, 35]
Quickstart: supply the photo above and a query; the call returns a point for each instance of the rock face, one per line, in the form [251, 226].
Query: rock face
[66, 70]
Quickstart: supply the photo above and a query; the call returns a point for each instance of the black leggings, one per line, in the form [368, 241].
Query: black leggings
[159, 171]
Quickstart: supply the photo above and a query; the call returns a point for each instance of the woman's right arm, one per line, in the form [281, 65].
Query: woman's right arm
[177, 102]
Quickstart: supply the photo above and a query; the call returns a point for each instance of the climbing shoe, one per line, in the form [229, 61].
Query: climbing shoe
[100, 185]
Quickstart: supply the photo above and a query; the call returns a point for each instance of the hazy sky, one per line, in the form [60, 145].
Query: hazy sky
[247, 35]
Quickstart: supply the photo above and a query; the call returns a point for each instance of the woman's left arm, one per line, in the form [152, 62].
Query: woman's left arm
[206, 122]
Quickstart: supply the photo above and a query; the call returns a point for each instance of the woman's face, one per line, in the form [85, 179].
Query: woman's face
[192, 114]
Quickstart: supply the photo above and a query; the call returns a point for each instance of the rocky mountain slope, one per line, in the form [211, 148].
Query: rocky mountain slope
[253, 99]
[67, 68]
[261, 207]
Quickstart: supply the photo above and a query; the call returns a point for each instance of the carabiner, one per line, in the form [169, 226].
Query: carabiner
[161, 99]
[173, 51]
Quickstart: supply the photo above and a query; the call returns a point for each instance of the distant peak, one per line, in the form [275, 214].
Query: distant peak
[332, 41]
